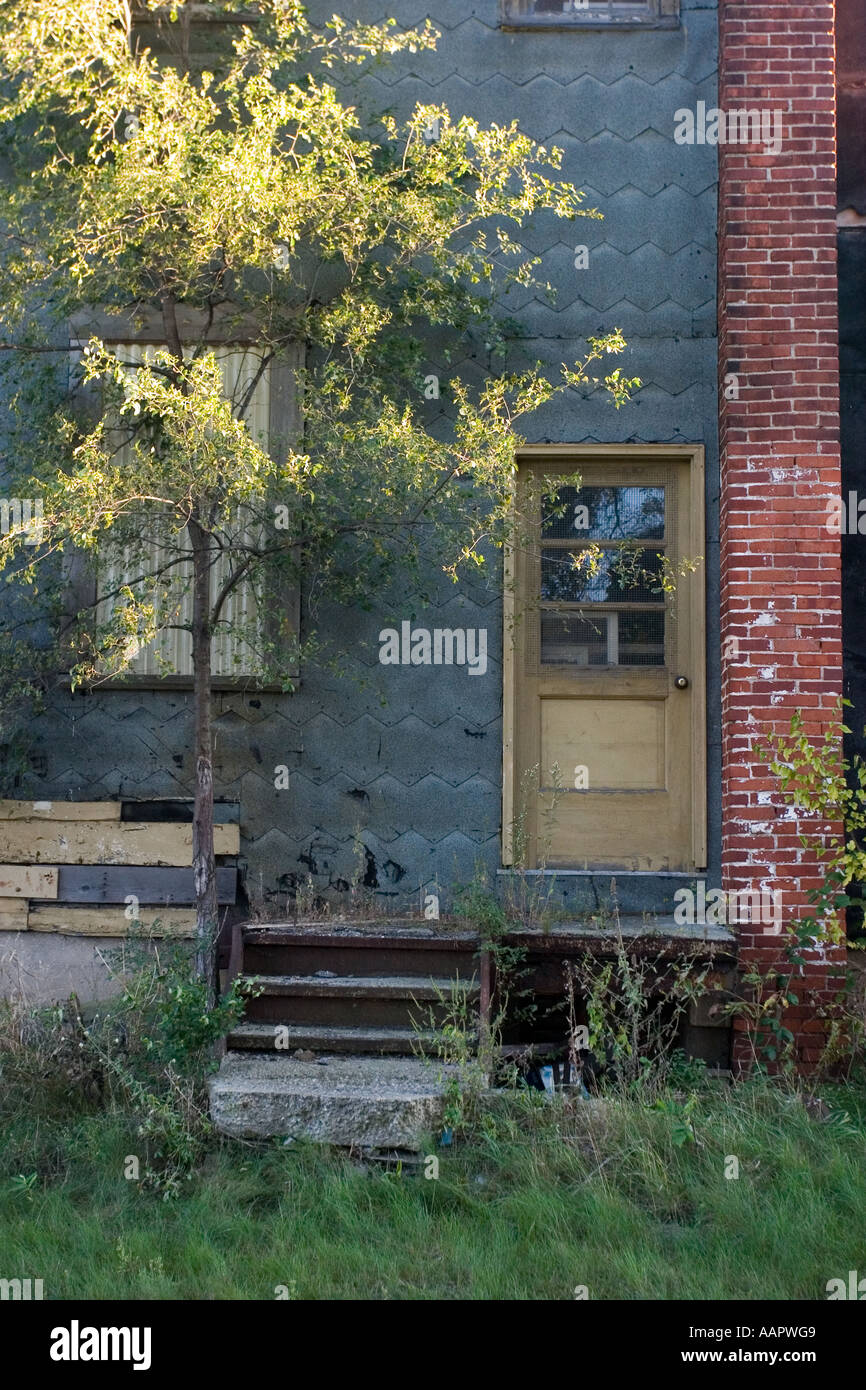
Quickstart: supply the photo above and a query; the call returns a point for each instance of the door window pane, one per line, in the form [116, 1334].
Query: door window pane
[605, 514]
[602, 639]
[613, 576]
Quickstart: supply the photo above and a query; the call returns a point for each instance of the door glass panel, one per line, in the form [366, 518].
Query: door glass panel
[605, 513]
[602, 639]
[615, 576]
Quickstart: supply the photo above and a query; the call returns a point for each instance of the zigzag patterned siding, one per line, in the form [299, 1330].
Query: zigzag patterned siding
[396, 782]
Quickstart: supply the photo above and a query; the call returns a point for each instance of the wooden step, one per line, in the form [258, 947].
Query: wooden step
[357, 1000]
[358, 950]
[434, 934]
[263, 1037]
[324, 984]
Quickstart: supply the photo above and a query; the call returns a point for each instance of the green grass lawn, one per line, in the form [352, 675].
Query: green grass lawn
[544, 1196]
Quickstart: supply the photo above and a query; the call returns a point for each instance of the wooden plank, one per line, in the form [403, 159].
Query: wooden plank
[60, 810]
[28, 881]
[177, 810]
[124, 842]
[282, 612]
[97, 883]
[13, 914]
[604, 452]
[111, 921]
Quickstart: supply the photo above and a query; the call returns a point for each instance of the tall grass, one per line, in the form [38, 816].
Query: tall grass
[546, 1194]
[113, 1185]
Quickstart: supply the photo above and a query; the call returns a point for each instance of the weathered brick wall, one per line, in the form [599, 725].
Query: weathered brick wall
[780, 567]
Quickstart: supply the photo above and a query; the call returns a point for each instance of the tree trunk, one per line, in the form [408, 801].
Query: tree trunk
[203, 864]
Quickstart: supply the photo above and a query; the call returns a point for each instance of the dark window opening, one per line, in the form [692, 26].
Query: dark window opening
[539, 14]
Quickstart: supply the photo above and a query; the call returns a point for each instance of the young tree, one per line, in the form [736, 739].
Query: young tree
[200, 166]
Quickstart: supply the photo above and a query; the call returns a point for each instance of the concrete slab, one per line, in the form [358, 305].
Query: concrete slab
[43, 967]
[371, 1102]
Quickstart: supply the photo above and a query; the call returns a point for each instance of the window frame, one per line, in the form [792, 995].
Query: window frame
[610, 610]
[598, 15]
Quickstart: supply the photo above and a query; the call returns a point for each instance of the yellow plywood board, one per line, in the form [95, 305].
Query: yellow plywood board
[125, 842]
[27, 881]
[111, 921]
[59, 810]
[621, 744]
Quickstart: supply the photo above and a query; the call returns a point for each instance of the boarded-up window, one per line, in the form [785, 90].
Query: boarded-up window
[245, 619]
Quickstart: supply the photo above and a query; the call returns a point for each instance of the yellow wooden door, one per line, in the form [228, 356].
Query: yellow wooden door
[606, 717]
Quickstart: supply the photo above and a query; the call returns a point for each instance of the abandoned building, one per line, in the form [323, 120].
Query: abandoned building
[706, 134]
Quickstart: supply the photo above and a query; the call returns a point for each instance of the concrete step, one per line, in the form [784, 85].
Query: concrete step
[370, 1102]
[376, 1000]
[320, 1038]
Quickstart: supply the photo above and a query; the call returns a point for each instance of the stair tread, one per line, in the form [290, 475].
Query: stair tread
[447, 936]
[365, 986]
[317, 1037]
[360, 934]
[326, 1033]
[354, 1075]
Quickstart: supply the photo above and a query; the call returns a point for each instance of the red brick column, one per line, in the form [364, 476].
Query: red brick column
[780, 568]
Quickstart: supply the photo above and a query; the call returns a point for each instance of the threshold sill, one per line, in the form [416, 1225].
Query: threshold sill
[688, 874]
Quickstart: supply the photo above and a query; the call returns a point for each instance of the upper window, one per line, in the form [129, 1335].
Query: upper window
[260, 614]
[539, 14]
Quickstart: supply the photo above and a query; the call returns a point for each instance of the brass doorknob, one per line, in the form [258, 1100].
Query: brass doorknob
[682, 682]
